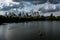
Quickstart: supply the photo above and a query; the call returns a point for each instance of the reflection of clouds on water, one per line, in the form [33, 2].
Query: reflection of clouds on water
[0, 30]
[3, 29]
[22, 30]
[30, 30]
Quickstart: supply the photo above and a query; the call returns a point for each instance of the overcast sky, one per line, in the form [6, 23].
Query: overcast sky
[51, 1]
[41, 6]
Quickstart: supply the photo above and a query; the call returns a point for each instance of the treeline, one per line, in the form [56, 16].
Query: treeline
[19, 18]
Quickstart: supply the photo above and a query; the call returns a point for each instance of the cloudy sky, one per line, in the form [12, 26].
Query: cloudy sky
[41, 6]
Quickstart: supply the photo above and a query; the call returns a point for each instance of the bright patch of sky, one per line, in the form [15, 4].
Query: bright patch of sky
[2, 12]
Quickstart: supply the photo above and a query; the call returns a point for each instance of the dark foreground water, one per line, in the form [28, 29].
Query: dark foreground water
[31, 31]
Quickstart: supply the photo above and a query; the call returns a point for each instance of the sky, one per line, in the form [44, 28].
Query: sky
[41, 6]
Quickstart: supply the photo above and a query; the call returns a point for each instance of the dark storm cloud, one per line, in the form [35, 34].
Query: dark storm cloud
[46, 11]
[16, 0]
[28, 0]
[41, 1]
[54, 1]
[33, 1]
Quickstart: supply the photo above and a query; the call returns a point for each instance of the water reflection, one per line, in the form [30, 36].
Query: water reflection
[30, 30]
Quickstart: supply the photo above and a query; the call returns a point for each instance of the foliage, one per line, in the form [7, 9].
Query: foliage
[13, 18]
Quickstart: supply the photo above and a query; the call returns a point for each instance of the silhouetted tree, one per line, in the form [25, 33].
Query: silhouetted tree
[58, 18]
[9, 14]
[11, 17]
[42, 17]
[19, 14]
[6, 14]
[13, 14]
[27, 14]
[51, 15]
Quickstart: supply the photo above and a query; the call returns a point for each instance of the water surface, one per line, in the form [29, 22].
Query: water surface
[23, 30]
